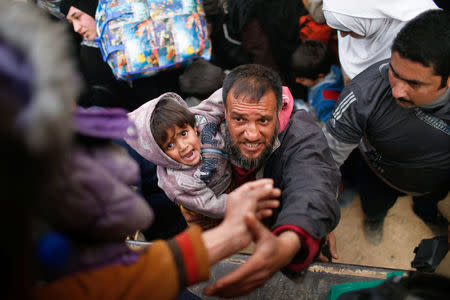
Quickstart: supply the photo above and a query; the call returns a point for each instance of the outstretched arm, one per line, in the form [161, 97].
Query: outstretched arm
[182, 261]
[271, 254]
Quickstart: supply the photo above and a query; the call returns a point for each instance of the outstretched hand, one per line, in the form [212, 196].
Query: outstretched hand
[232, 234]
[271, 254]
[259, 195]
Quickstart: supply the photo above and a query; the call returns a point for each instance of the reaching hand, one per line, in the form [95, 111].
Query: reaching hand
[271, 254]
[248, 198]
[232, 234]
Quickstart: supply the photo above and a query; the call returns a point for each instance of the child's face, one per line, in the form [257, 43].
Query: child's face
[183, 145]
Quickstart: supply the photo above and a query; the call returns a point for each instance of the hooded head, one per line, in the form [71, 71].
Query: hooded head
[81, 14]
[145, 144]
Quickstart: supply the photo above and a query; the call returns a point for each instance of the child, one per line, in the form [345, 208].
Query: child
[312, 68]
[186, 146]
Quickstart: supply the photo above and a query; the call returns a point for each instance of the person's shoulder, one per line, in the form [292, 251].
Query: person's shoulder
[370, 85]
[301, 123]
[374, 76]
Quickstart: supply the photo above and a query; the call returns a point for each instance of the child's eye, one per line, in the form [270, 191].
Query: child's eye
[184, 132]
[169, 146]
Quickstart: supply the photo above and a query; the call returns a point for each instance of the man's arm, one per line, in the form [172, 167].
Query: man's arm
[304, 168]
[339, 150]
[212, 108]
[347, 123]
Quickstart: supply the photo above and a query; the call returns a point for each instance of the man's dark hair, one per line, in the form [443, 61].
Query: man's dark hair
[310, 59]
[426, 40]
[201, 78]
[168, 113]
[252, 82]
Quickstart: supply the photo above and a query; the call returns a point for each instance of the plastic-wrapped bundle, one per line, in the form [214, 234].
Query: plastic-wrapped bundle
[141, 37]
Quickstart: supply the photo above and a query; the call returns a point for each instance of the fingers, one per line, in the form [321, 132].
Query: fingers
[332, 245]
[267, 204]
[238, 282]
[262, 214]
[236, 290]
[255, 227]
[263, 187]
[322, 258]
[264, 208]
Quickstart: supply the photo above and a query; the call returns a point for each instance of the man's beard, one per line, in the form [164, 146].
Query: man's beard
[238, 159]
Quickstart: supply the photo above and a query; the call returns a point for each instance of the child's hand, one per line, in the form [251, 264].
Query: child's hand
[264, 208]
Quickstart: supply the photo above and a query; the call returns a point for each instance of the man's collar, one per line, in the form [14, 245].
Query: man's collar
[439, 102]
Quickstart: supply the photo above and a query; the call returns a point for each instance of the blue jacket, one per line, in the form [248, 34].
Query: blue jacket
[322, 96]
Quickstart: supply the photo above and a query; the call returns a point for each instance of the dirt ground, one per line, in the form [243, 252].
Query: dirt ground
[403, 231]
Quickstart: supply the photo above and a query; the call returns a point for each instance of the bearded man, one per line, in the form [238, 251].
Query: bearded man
[296, 156]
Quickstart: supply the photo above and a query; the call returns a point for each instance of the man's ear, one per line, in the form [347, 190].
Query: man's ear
[320, 76]
[448, 82]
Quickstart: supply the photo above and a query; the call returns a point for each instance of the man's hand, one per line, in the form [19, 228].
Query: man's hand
[331, 243]
[232, 234]
[251, 197]
[271, 254]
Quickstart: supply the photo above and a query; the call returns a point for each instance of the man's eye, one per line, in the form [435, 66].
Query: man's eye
[238, 119]
[263, 121]
[184, 133]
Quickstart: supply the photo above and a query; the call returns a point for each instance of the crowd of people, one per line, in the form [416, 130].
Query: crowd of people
[206, 157]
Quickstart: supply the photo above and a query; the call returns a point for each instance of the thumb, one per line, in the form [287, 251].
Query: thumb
[255, 227]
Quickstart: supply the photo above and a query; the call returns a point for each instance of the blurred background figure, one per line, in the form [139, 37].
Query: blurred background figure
[199, 80]
[368, 28]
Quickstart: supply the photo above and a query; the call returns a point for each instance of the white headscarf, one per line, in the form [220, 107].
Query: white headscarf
[377, 21]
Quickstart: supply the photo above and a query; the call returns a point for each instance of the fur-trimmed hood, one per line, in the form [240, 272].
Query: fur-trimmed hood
[145, 144]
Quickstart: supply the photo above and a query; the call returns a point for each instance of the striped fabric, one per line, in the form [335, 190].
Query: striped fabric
[342, 107]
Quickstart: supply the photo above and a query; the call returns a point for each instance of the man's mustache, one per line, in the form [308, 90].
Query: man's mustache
[404, 100]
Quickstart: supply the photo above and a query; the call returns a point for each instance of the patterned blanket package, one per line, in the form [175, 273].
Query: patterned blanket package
[141, 37]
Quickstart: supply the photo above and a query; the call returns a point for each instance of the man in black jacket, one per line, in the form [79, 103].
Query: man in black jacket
[397, 112]
[297, 157]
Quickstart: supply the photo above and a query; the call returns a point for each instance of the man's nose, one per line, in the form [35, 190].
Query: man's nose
[251, 131]
[399, 89]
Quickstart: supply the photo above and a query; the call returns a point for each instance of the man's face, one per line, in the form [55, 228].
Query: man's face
[412, 83]
[252, 125]
[83, 24]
